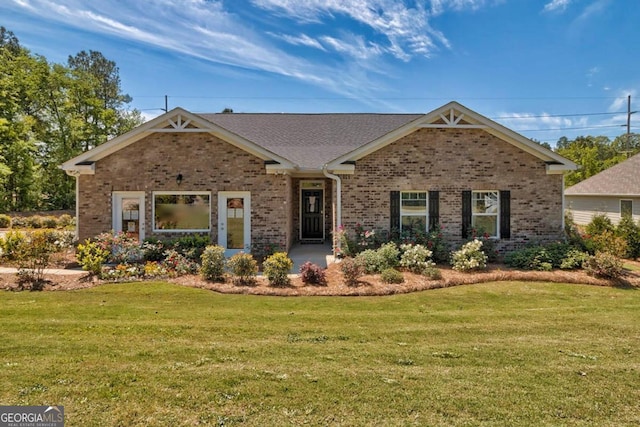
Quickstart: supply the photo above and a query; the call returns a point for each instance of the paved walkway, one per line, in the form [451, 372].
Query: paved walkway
[320, 254]
[59, 271]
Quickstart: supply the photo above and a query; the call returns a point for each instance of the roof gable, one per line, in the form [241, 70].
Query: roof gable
[622, 179]
[177, 120]
[456, 116]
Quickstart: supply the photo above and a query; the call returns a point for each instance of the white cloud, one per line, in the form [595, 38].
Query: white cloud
[406, 28]
[556, 5]
[620, 102]
[301, 40]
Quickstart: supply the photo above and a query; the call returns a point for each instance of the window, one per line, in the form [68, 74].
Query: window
[484, 212]
[626, 208]
[185, 211]
[413, 211]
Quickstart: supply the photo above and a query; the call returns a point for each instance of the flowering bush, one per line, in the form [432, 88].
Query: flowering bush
[153, 269]
[415, 258]
[276, 268]
[178, 264]
[243, 267]
[33, 255]
[312, 274]
[469, 257]
[356, 242]
[122, 247]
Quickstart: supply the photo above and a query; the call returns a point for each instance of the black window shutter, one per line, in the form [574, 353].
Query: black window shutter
[505, 214]
[466, 213]
[434, 210]
[394, 214]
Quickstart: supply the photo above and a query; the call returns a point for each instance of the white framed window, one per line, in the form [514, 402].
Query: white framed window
[626, 207]
[414, 211]
[185, 211]
[485, 211]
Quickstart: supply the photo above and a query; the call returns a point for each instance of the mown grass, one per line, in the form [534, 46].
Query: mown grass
[155, 354]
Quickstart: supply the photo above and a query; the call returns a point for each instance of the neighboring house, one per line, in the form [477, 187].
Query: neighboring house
[247, 179]
[613, 192]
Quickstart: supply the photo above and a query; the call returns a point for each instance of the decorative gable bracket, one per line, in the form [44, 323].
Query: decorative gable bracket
[454, 119]
[178, 123]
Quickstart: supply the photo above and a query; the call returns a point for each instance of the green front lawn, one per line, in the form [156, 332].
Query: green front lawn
[155, 354]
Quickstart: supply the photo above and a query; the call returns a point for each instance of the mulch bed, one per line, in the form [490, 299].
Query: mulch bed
[368, 285]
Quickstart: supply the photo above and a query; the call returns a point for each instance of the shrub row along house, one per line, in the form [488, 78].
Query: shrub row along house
[286, 178]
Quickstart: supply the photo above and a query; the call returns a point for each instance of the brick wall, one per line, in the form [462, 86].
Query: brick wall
[451, 161]
[206, 163]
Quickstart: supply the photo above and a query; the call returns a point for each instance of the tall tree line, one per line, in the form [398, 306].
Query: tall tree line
[50, 113]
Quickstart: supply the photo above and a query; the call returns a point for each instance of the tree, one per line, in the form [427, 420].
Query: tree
[50, 113]
[592, 153]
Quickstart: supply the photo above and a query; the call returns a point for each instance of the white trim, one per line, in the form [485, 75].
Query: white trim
[178, 193]
[223, 196]
[116, 211]
[322, 206]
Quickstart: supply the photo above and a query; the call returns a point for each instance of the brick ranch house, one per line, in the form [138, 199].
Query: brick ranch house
[285, 178]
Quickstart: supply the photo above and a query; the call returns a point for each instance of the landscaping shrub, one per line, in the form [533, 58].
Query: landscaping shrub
[12, 240]
[607, 241]
[5, 221]
[312, 274]
[605, 265]
[153, 250]
[599, 224]
[377, 260]
[34, 221]
[179, 264]
[262, 248]
[122, 247]
[33, 254]
[391, 275]
[470, 257]
[574, 259]
[541, 257]
[352, 269]
[432, 273]
[191, 246]
[91, 256]
[276, 269]
[243, 267]
[49, 222]
[18, 222]
[213, 260]
[628, 230]
[66, 221]
[416, 258]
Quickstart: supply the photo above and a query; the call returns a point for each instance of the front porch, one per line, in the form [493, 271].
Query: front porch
[319, 254]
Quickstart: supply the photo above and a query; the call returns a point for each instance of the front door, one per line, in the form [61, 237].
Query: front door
[128, 213]
[312, 214]
[234, 221]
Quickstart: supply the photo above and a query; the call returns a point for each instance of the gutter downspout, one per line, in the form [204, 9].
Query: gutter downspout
[336, 178]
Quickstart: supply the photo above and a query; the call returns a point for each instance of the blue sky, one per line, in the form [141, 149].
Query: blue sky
[545, 68]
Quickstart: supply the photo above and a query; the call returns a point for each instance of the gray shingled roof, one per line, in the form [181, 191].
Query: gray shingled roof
[621, 179]
[310, 140]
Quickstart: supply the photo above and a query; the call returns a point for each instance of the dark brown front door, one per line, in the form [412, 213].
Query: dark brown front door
[312, 215]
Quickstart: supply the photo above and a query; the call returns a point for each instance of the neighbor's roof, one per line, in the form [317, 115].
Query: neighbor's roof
[622, 179]
[310, 140]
